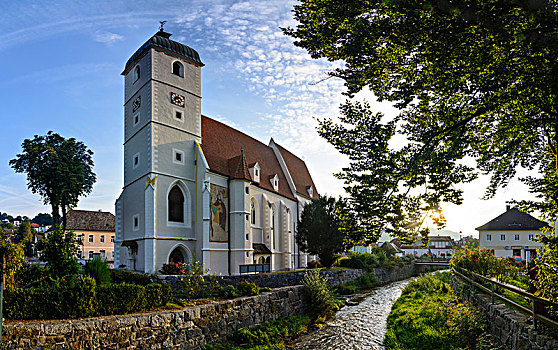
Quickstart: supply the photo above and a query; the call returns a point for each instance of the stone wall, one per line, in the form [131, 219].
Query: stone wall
[277, 280]
[509, 327]
[188, 328]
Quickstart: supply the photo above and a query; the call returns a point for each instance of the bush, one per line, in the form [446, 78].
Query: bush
[271, 332]
[365, 261]
[229, 292]
[33, 275]
[248, 288]
[130, 277]
[157, 294]
[64, 299]
[265, 289]
[483, 262]
[319, 297]
[99, 270]
[117, 299]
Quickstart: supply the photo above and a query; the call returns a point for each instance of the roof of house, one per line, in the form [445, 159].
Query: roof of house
[160, 41]
[299, 173]
[87, 220]
[439, 238]
[228, 151]
[513, 219]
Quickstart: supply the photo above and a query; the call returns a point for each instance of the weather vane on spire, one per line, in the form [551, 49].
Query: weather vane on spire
[162, 24]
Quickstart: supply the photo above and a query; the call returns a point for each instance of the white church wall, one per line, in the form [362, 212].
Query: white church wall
[163, 72]
[131, 86]
[139, 146]
[167, 229]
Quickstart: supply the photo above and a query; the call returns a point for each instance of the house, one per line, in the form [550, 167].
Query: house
[437, 246]
[95, 229]
[513, 233]
[195, 188]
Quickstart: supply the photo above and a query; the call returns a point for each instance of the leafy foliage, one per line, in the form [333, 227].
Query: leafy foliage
[130, 277]
[320, 299]
[60, 170]
[483, 262]
[471, 79]
[59, 250]
[248, 288]
[365, 261]
[99, 270]
[320, 229]
[547, 271]
[14, 256]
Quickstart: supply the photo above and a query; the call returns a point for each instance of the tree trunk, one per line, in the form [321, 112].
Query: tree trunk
[55, 215]
[64, 212]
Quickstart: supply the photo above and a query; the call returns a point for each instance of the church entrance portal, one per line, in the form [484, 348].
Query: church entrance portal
[176, 256]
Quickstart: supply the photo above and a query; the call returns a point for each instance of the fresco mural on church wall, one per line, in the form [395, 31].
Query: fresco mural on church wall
[218, 208]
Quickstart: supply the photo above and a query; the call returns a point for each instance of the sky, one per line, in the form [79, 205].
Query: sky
[60, 70]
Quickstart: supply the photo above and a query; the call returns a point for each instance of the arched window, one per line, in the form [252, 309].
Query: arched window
[178, 69]
[137, 73]
[176, 204]
[253, 213]
[272, 225]
[176, 256]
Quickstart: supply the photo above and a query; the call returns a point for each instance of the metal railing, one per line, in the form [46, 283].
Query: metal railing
[494, 294]
[255, 268]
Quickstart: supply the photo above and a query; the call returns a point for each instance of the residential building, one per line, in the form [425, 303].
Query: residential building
[437, 246]
[513, 233]
[95, 229]
[195, 188]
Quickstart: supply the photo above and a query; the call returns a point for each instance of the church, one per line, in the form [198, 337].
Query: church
[195, 188]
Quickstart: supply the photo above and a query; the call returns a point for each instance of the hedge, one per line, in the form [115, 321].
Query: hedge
[82, 298]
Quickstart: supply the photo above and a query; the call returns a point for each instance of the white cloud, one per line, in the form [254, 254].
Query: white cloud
[107, 37]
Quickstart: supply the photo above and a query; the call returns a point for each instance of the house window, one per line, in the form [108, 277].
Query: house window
[135, 222]
[178, 69]
[488, 237]
[111, 239]
[253, 213]
[90, 238]
[103, 254]
[102, 240]
[136, 160]
[137, 73]
[516, 238]
[79, 254]
[90, 254]
[530, 237]
[112, 254]
[178, 115]
[176, 204]
[247, 236]
[136, 119]
[502, 237]
[81, 237]
[178, 157]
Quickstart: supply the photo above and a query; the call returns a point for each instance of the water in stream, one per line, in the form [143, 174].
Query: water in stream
[356, 327]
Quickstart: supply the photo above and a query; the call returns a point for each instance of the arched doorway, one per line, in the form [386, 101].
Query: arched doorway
[176, 256]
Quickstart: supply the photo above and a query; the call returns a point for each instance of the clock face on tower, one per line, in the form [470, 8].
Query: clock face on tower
[177, 99]
[137, 104]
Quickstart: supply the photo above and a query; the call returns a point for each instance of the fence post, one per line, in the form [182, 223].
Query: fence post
[534, 318]
[492, 290]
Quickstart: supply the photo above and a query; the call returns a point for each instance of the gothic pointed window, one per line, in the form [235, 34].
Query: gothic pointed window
[178, 69]
[253, 212]
[176, 205]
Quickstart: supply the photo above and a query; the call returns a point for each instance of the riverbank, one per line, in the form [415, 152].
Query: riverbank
[428, 315]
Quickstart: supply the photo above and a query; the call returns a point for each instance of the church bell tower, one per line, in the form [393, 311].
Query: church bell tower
[155, 212]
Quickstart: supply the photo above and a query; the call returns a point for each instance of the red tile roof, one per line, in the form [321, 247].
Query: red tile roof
[221, 143]
[299, 173]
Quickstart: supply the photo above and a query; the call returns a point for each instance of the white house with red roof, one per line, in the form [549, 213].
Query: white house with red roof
[195, 188]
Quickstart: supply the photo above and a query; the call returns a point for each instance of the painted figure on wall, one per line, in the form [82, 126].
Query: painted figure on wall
[219, 214]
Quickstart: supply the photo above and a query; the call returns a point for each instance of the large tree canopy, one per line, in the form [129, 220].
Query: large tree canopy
[60, 170]
[473, 79]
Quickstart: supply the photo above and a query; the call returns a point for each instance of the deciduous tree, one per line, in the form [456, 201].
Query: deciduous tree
[60, 170]
[473, 80]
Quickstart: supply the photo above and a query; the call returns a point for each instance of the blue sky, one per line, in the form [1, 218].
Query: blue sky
[61, 63]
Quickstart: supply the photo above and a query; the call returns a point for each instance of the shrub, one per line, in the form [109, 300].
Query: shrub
[130, 277]
[319, 297]
[157, 294]
[33, 275]
[115, 299]
[229, 292]
[99, 270]
[265, 289]
[483, 262]
[248, 288]
[272, 332]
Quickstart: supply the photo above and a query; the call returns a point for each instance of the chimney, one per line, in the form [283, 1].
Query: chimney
[508, 207]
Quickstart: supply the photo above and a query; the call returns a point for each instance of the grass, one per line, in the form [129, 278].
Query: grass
[429, 316]
[272, 335]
